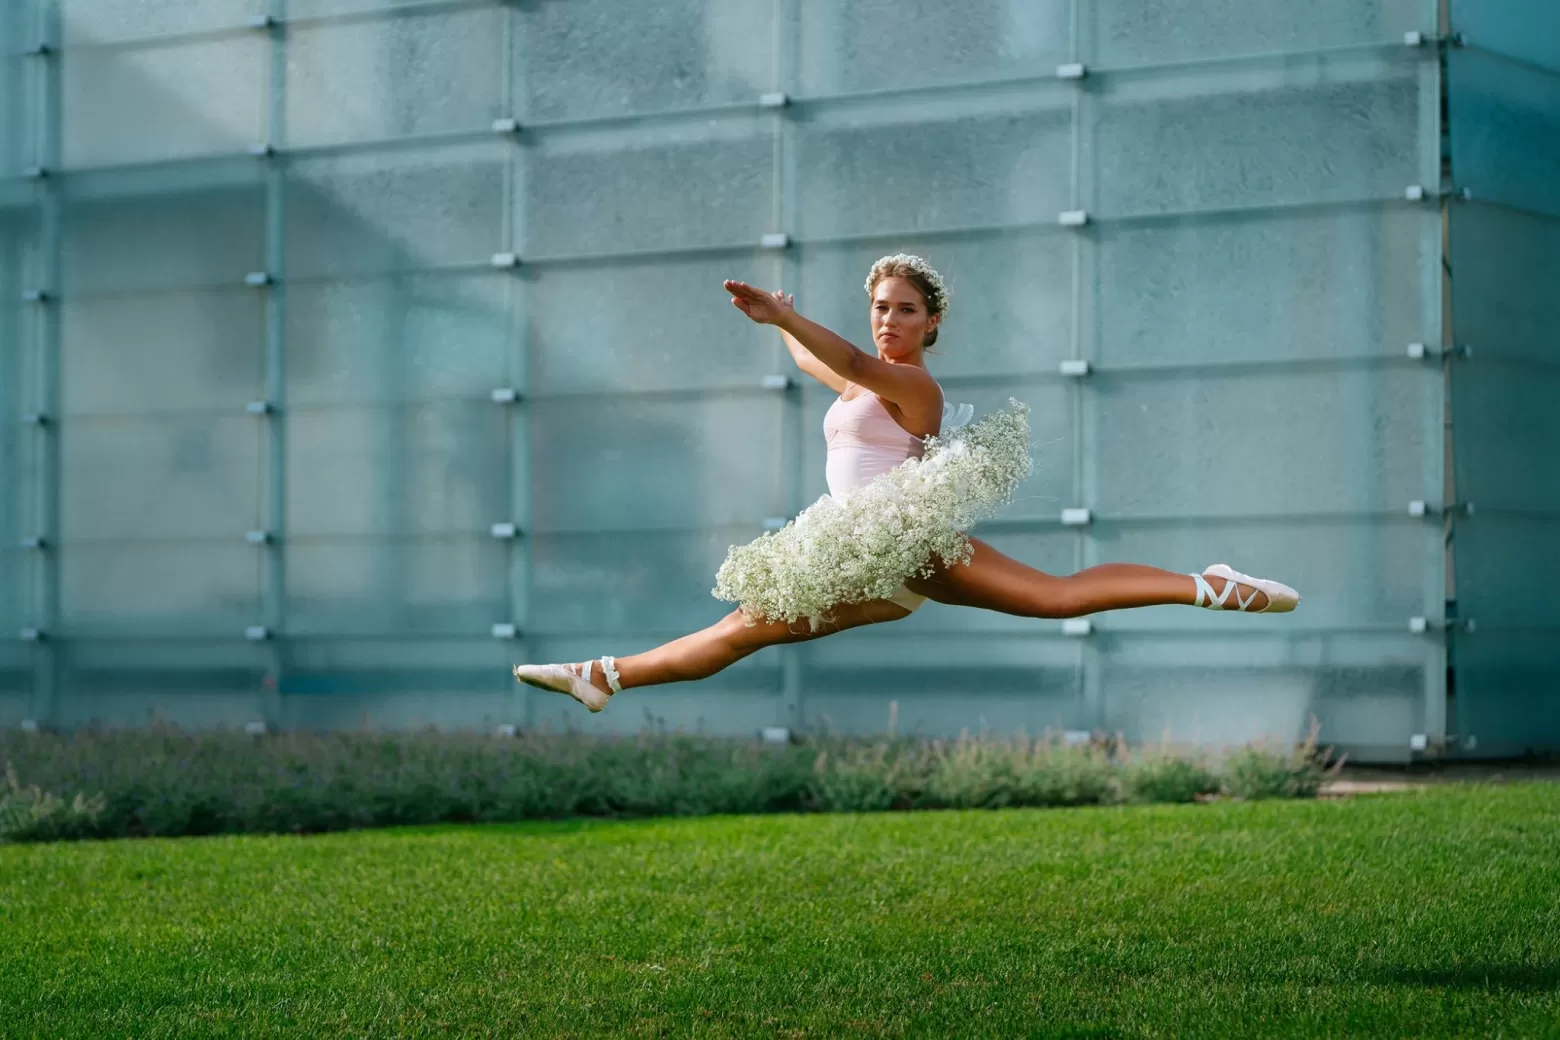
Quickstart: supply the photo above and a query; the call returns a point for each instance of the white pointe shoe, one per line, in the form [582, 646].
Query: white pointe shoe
[1280, 597]
[572, 679]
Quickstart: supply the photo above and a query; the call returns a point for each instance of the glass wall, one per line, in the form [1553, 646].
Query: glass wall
[1503, 88]
[374, 328]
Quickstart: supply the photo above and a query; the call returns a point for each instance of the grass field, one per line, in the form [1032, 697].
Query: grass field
[1432, 913]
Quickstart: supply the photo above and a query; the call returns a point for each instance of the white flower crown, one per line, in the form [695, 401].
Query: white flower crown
[938, 304]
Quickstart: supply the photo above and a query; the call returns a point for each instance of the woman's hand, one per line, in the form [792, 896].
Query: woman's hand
[766, 308]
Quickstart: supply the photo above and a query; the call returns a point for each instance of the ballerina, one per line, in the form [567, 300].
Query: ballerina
[816, 578]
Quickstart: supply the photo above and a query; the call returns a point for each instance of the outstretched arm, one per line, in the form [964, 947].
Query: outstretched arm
[803, 357]
[912, 389]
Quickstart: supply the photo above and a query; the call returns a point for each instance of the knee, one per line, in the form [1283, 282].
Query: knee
[1063, 598]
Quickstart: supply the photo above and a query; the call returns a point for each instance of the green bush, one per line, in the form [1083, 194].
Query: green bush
[1257, 771]
[167, 782]
[1161, 776]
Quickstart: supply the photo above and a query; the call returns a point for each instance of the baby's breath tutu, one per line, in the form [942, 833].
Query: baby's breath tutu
[863, 547]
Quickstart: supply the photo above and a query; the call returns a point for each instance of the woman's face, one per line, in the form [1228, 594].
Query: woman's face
[900, 321]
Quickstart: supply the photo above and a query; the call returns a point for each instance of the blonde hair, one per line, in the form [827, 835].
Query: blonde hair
[918, 273]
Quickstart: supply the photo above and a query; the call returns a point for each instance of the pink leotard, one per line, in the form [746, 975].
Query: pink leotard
[864, 442]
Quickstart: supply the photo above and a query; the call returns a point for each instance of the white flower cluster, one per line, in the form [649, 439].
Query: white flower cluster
[939, 303]
[864, 546]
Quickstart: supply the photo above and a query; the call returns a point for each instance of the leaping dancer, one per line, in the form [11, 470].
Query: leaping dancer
[890, 534]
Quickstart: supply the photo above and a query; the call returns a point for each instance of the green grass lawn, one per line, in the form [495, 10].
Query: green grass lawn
[1434, 913]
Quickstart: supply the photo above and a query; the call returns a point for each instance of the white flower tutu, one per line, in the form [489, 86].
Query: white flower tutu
[895, 527]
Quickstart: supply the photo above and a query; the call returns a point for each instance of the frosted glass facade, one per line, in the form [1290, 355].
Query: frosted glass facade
[288, 251]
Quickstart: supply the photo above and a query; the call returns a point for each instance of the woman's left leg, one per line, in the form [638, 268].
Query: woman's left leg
[994, 581]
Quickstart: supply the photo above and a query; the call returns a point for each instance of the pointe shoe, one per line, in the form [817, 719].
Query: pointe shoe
[572, 679]
[1280, 597]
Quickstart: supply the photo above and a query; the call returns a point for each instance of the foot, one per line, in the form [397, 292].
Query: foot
[576, 680]
[1222, 588]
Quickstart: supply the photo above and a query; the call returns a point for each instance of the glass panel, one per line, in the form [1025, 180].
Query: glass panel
[171, 476]
[163, 101]
[609, 327]
[339, 587]
[1525, 29]
[575, 60]
[94, 21]
[413, 74]
[1265, 443]
[199, 236]
[18, 104]
[399, 339]
[845, 43]
[174, 351]
[1307, 130]
[1504, 123]
[645, 464]
[174, 589]
[418, 469]
[1507, 569]
[1505, 267]
[861, 681]
[1506, 429]
[1283, 287]
[405, 210]
[1221, 691]
[1050, 487]
[1506, 684]
[1348, 572]
[886, 165]
[673, 185]
[1012, 298]
[647, 583]
[1131, 32]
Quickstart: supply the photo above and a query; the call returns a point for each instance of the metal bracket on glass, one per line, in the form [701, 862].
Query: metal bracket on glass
[504, 530]
[1077, 627]
[32, 635]
[39, 50]
[35, 419]
[505, 395]
[775, 240]
[1419, 351]
[258, 537]
[35, 173]
[1419, 625]
[263, 150]
[260, 21]
[35, 296]
[259, 408]
[1073, 218]
[505, 630]
[774, 99]
[257, 633]
[1419, 507]
[1077, 516]
[504, 260]
[36, 542]
[506, 125]
[1072, 70]
[1074, 367]
[776, 381]
[258, 279]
